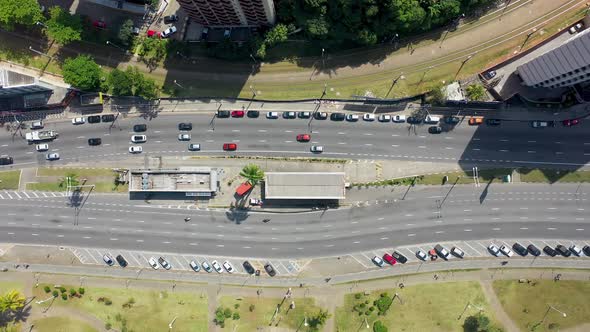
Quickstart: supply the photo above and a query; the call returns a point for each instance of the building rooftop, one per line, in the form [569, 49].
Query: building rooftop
[304, 185]
[194, 181]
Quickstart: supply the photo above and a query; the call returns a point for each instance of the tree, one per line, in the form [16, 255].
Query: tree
[479, 323]
[437, 96]
[120, 83]
[276, 35]
[252, 173]
[476, 92]
[317, 321]
[63, 27]
[379, 327]
[318, 28]
[11, 302]
[82, 72]
[152, 51]
[126, 32]
[25, 12]
[72, 180]
[145, 88]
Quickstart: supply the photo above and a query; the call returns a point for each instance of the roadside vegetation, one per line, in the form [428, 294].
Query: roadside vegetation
[55, 179]
[12, 304]
[9, 179]
[69, 324]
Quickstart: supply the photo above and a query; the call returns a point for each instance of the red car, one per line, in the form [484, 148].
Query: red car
[99, 24]
[389, 259]
[237, 114]
[572, 122]
[303, 138]
[230, 146]
[153, 34]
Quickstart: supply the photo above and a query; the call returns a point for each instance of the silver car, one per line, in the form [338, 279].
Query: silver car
[316, 149]
[206, 266]
[216, 267]
[52, 156]
[195, 266]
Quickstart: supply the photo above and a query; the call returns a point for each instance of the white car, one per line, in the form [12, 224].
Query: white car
[78, 121]
[421, 255]
[457, 252]
[316, 149]
[384, 118]
[194, 147]
[108, 259]
[352, 117]
[493, 249]
[399, 118]
[577, 251]
[37, 125]
[195, 266]
[135, 149]
[42, 147]
[164, 263]
[228, 267]
[168, 32]
[432, 119]
[506, 251]
[378, 261]
[216, 267]
[272, 115]
[184, 137]
[138, 138]
[52, 156]
[369, 117]
[153, 263]
[206, 266]
[304, 115]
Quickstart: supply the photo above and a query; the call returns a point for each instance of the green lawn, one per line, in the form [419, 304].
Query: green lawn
[264, 310]
[81, 172]
[551, 176]
[101, 187]
[526, 303]
[58, 324]
[428, 307]
[9, 179]
[5, 286]
[153, 309]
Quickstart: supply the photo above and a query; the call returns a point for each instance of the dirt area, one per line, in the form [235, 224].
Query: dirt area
[38, 254]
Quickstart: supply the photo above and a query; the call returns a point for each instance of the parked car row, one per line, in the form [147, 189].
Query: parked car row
[81, 120]
[194, 265]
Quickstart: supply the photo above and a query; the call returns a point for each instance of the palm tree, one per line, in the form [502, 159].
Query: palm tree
[11, 301]
[63, 182]
[252, 173]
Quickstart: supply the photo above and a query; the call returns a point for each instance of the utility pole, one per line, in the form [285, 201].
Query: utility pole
[549, 308]
[476, 176]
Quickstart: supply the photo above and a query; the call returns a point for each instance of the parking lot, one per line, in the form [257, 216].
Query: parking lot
[180, 262]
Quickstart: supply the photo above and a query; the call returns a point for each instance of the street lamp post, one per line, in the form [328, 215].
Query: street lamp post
[323, 62]
[549, 308]
[117, 46]
[41, 24]
[39, 52]
[172, 322]
[178, 84]
[367, 323]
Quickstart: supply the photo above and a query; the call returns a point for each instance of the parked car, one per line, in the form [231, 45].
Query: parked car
[303, 138]
[434, 130]
[195, 266]
[6, 160]
[489, 75]
[237, 114]
[520, 249]
[135, 149]
[399, 118]
[506, 251]
[457, 252]
[253, 114]
[37, 125]
[270, 270]
[228, 267]
[399, 257]
[493, 122]
[94, 141]
[204, 33]
[121, 261]
[194, 147]
[475, 120]
[153, 263]
[431, 119]
[99, 24]
[78, 121]
[352, 117]
[337, 116]
[576, 28]
[222, 114]
[139, 128]
[320, 115]
[108, 259]
[248, 267]
[272, 115]
[413, 120]
[168, 32]
[575, 250]
[542, 124]
[185, 126]
[227, 33]
[316, 149]
[384, 118]
[550, 251]
[304, 115]
[369, 117]
[170, 19]
[153, 34]
[138, 138]
[94, 119]
[206, 267]
[230, 147]
[184, 137]
[216, 267]
[378, 261]
[570, 122]
[421, 255]
[441, 251]
[389, 259]
[164, 263]
[52, 156]
[289, 115]
[533, 250]
[561, 249]
[586, 250]
[42, 147]
[493, 249]
[107, 118]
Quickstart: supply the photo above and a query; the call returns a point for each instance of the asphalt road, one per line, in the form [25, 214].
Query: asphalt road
[514, 143]
[466, 213]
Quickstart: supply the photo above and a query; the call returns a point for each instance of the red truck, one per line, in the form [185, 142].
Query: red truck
[243, 188]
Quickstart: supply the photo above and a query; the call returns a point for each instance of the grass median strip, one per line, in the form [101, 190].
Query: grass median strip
[53, 324]
[9, 179]
[52, 179]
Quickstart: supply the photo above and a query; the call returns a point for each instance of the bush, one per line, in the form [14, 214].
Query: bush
[379, 327]
[81, 290]
[108, 301]
[383, 303]
[236, 306]
[252, 307]
[62, 289]
[358, 296]
[372, 308]
[55, 293]
[219, 317]
[362, 306]
[64, 296]
[47, 289]
[236, 316]
[227, 313]
[129, 303]
[108, 326]
[72, 292]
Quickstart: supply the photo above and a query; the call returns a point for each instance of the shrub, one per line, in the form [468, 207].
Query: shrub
[108, 301]
[129, 303]
[81, 290]
[72, 292]
[362, 306]
[236, 306]
[372, 308]
[367, 313]
[108, 326]
[64, 296]
[62, 289]
[383, 304]
[358, 296]
[379, 327]
[236, 316]
[55, 293]
[252, 307]
[227, 313]
[47, 289]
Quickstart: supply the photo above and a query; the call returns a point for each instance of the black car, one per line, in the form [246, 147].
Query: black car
[563, 250]
[452, 120]
[270, 270]
[170, 19]
[204, 34]
[94, 119]
[533, 250]
[586, 250]
[493, 122]
[223, 114]
[6, 160]
[289, 115]
[248, 267]
[550, 251]
[435, 130]
[399, 257]
[121, 261]
[94, 141]
[320, 115]
[108, 118]
[253, 114]
[185, 126]
[489, 75]
[337, 116]
[138, 128]
[413, 120]
[304, 115]
[520, 249]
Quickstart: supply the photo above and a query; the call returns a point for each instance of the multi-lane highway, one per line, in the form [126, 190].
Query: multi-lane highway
[105, 221]
[513, 143]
